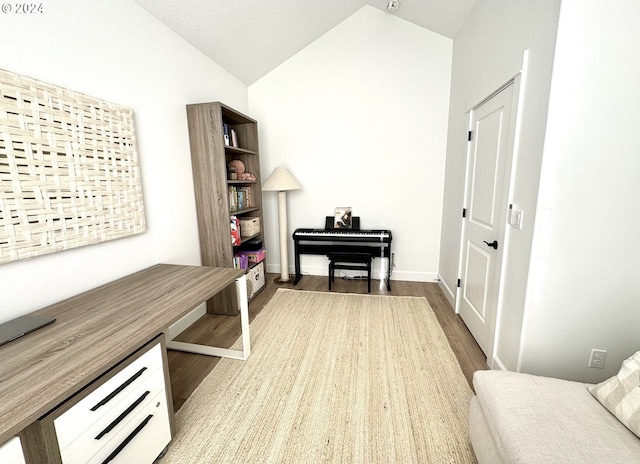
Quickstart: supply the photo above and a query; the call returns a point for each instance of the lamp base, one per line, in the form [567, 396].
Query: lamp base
[279, 281]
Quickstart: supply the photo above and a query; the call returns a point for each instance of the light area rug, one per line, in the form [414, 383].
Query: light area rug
[332, 378]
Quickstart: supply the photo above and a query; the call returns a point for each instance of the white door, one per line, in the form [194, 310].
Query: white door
[488, 170]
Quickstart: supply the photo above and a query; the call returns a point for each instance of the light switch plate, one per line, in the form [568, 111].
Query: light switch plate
[515, 217]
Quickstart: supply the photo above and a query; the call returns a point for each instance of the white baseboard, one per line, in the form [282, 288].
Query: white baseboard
[447, 291]
[409, 276]
[376, 273]
[496, 364]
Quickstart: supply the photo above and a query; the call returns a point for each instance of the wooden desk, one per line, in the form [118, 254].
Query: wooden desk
[94, 331]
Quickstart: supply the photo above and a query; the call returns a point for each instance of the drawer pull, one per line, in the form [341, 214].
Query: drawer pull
[111, 395]
[125, 413]
[126, 441]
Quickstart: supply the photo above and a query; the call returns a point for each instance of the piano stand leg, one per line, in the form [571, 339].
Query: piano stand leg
[388, 279]
[297, 279]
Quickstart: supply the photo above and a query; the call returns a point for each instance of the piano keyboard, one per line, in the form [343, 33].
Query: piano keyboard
[325, 241]
[341, 233]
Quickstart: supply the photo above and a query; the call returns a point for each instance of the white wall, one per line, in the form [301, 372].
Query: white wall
[585, 290]
[117, 52]
[487, 53]
[359, 117]
[570, 273]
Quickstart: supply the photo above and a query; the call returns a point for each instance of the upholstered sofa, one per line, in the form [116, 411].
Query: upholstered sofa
[521, 418]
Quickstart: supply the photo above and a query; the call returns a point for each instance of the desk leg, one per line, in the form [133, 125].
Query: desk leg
[243, 304]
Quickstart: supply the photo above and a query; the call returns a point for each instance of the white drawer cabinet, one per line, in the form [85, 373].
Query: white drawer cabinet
[126, 416]
[11, 452]
[101, 405]
[142, 440]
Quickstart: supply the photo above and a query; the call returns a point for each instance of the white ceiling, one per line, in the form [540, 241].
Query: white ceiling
[249, 38]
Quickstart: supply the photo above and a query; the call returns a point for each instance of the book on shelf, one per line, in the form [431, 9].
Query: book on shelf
[240, 261]
[226, 128]
[246, 193]
[241, 199]
[234, 138]
[233, 198]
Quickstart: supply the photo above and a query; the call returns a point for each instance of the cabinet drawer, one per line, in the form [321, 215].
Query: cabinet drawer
[142, 441]
[92, 408]
[115, 420]
[11, 452]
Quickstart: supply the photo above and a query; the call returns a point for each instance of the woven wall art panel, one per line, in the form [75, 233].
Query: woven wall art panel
[69, 173]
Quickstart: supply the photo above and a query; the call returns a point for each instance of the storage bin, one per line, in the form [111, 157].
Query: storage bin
[249, 226]
[254, 256]
[255, 279]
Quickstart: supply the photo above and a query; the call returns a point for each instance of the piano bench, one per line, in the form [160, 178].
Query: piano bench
[350, 261]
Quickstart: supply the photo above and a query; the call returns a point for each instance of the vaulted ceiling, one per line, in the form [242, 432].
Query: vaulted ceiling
[249, 38]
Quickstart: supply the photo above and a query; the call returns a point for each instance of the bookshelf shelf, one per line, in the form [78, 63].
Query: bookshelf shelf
[249, 237]
[239, 151]
[238, 212]
[241, 182]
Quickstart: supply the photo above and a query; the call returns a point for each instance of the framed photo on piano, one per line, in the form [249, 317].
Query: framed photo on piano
[342, 218]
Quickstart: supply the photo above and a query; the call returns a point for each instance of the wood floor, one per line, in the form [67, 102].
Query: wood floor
[188, 370]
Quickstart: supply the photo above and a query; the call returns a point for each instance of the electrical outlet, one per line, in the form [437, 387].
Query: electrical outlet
[597, 358]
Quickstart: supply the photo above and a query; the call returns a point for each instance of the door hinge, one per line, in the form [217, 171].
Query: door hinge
[469, 136]
[459, 283]
[464, 212]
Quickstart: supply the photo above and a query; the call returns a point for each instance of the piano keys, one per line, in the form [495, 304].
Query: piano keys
[343, 234]
[324, 241]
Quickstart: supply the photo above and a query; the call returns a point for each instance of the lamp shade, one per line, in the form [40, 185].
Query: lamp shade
[281, 180]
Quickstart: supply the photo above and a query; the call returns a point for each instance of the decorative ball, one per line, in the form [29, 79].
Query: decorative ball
[237, 165]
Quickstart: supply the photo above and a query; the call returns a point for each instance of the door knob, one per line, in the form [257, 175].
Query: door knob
[493, 244]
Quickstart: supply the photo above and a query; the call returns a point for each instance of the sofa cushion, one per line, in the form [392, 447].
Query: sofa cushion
[484, 446]
[545, 420]
[621, 393]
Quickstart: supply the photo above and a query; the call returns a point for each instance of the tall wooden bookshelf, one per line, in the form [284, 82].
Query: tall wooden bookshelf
[210, 155]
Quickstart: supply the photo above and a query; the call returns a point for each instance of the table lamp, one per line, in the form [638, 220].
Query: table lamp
[280, 181]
